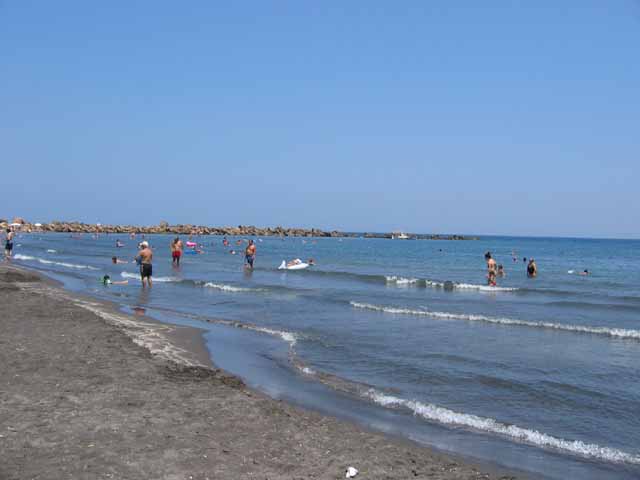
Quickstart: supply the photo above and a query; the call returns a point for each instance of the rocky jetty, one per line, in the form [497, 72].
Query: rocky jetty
[189, 229]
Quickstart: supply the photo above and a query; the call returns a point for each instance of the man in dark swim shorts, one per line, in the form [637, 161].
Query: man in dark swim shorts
[8, 246]
[146, 268]
[250, 254]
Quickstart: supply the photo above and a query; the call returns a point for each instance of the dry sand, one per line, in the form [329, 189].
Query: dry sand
[92, 393]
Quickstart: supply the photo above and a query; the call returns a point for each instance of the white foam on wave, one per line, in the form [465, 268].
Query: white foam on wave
[483, 288]
[136, 276]
[401, 280]
[228, 288]
[606, 331]
[19, 256]
[51, 250]
[288, 337]
[533, 437]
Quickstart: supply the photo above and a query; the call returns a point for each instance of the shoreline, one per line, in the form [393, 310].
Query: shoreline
[301, 443]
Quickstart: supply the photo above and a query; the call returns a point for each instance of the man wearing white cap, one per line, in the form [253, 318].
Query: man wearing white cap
[145, 255]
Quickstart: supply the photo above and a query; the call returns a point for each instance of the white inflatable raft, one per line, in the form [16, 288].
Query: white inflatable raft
[297, 266]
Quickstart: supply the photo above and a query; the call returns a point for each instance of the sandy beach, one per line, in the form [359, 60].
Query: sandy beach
[89, 392]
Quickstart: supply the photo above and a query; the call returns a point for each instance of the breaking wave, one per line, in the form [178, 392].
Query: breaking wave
[402, 281]
[136, 276]
[445, 416]
[288, 337]
[605, 331]
[229, 288]
[19, 256]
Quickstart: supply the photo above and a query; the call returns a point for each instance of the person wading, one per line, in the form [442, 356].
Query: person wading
[491, 269]
[176, 251]
[145, 257]
[250, 254]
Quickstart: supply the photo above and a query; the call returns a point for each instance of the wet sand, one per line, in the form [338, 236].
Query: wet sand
[89, 392]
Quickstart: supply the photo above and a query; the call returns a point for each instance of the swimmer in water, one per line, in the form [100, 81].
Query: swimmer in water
[501, 271]
[311, 262]
[106, 280]
[585, 272]
[119, 244]
[532, 269]
[116, 260]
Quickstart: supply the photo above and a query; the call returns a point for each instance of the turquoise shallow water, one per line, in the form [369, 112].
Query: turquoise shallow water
[540, 374]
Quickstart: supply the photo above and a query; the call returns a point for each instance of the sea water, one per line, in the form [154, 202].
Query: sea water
[540, 374]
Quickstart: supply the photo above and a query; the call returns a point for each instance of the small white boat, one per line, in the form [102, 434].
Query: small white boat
[400, 236]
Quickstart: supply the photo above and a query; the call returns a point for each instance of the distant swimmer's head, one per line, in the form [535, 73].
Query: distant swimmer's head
[144, 244]
[487, 255]
[114, 259]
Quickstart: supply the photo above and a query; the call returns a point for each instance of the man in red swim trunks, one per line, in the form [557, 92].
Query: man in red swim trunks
[176, 250]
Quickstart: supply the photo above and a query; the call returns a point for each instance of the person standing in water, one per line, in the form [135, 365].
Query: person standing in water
[176, 251]
[145, 256]
[491, 269]
[8, 244]
[250, 254]
[532, 269]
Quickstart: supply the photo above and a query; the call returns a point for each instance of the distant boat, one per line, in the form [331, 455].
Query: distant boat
[400, 236]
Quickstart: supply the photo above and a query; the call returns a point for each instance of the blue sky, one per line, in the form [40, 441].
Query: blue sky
[495, 117]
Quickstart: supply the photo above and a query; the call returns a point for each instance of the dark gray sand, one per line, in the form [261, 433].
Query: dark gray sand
[85, 394]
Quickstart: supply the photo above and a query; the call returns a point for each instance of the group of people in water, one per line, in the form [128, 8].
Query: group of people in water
[495, 270]
[144, 258]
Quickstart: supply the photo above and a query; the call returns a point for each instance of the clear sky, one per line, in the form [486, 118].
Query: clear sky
[498, 117]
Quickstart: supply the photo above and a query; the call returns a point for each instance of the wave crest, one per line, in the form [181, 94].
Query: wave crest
[449, 417]
[19, 256]
[228, 288]
[605, 331]
[136, 276]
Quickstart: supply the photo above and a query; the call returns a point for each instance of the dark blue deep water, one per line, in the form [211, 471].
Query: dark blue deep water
[538, 374]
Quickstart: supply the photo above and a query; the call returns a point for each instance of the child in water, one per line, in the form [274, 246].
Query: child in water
[106, 280]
